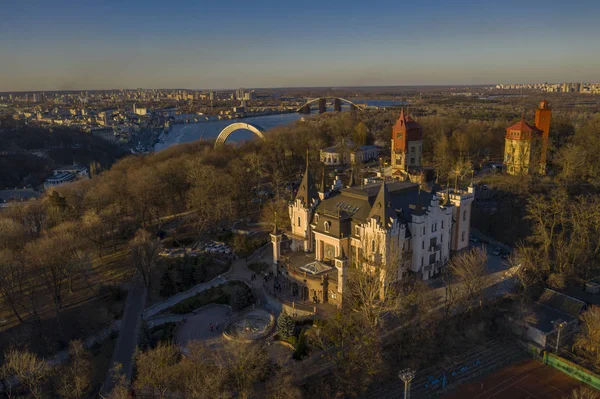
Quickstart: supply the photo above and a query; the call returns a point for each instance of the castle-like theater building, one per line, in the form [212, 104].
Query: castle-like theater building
[392, 225]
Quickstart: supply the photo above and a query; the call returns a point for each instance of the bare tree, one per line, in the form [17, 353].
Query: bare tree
[583, 393]
[204, 373]
[372, 287]
[12, 276]
[208, 183]
[120, 388]
[27, 369]
[157, 371]
[351, 343]
[470, 278]
[144, 254]
[74, 377]
[587, 341]
[247, 364]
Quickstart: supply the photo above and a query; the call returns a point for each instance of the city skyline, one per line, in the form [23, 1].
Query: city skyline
[65, 46]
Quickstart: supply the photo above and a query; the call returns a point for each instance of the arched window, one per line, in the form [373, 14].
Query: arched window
[327, 225]
[298, 221]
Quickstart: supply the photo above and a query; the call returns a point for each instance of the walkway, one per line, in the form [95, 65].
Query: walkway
[128, 337]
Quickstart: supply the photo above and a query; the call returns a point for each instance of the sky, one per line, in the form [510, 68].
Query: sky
[202, 44]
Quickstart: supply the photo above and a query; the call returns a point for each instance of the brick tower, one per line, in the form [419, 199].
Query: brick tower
[407, 145]
[542, 122]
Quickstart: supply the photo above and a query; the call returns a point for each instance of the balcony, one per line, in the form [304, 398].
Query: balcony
[435, 248]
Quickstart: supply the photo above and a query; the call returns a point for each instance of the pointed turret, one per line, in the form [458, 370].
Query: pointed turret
[323, 189]
[382, 209]
[351, 183]
[307, 191]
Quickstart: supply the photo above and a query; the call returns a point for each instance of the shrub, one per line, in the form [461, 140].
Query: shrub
[285, 325]
[301, 347]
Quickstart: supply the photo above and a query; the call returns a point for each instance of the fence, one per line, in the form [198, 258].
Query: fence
[572, 370]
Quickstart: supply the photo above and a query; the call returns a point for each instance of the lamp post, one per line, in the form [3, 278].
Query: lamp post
[407, 375]
[559, 325]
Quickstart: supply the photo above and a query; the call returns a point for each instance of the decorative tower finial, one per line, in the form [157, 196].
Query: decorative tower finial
[306, 158]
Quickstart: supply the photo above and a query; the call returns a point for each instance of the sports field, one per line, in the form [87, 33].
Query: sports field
[529, 379]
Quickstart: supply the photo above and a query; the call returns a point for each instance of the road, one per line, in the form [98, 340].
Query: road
[128, 336]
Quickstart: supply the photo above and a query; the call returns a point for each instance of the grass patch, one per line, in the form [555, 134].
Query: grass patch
[233, 293]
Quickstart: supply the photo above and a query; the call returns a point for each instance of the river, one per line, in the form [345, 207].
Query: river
[209, 130]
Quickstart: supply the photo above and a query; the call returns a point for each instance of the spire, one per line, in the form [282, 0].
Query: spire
[275, 229]
[382, 209]
[306, 158]
[351, 183]
[322, 188]
[307, 190]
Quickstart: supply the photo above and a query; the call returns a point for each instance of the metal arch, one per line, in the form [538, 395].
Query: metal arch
[257, 130]
[332, 98]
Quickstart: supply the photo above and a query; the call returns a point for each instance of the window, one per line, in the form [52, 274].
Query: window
[431, 259]
[412, 160]
[298, 221]
[462, 238]
[372, 245]
[317, 218]
[423, 230]
[412, 150]
[433, 242]
[442, 224]
[357, 231]
[327, 226]
[465, 215]
[423, 245]
[422, 262]
[441, 238]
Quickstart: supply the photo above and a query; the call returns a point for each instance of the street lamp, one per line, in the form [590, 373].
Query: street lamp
[559, 325]
[407, 375]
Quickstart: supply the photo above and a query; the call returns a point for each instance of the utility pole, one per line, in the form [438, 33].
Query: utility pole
[559, 325]
[407, 375]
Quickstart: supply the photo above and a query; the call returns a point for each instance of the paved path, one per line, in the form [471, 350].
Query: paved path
[197, 326]
[128, 337]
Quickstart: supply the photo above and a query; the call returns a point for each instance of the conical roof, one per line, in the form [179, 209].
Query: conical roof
[382, 209]
[307, 190]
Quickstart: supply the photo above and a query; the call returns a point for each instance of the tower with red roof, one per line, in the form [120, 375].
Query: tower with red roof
[407, 145]
[522, 148]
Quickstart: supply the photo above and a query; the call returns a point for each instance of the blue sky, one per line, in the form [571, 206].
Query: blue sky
[79, 44]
